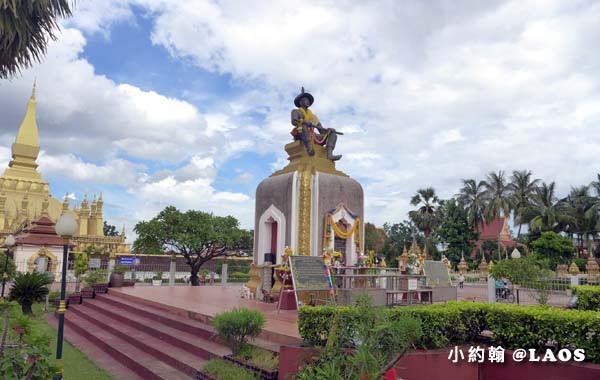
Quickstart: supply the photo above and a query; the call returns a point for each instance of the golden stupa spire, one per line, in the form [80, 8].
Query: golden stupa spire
[28, 132]
[26, 148]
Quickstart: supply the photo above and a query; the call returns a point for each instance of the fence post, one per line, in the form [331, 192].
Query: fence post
[491, 285]
[172, 267]
[574, 280]
[224, 273]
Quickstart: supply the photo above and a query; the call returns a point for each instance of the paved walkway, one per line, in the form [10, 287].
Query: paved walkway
[210, 300]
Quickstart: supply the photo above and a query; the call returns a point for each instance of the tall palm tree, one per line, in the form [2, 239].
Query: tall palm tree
[522, 188]
[472, 195]
[596, 184]
[498, 198]
[427, 216]
[545, 213]
[25, 27]
[582, 209]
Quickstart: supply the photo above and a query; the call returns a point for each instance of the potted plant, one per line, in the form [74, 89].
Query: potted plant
[80, 267]
[96, 279]
[118, 275]
[157, 279]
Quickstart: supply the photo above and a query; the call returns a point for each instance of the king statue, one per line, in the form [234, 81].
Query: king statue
[305, 123]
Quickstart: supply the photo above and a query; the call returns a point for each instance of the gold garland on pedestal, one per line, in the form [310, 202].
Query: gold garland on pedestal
[330, 226]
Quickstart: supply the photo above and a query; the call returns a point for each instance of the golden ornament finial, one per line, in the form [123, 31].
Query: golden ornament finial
[33, 89]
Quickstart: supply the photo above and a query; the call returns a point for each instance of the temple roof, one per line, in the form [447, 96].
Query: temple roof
[40, 232]
[491, 230]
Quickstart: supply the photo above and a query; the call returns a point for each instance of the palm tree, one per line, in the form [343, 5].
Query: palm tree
[472, 195]
[596, 184]
[522, 188]
[427, 216]
[498, 198]
[545, 212]
[582, 209]
[25, 27]
[28, 288]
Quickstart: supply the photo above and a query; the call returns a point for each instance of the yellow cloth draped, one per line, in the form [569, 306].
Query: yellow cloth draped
[355, 229]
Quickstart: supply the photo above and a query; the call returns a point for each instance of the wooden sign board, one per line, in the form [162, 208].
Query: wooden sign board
[308, 273]
[436, 273]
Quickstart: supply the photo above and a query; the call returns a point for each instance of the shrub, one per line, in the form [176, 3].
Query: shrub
[28, 288]
[588, 297]
[236, 326]
[80, 267]
[513, 326]
[120, 269]
[11, 266]
[158, 275]
[377, 337]
[226, 371]
[97, 276]
[53, 295]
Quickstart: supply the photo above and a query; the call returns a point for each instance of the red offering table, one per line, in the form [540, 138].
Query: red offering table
[287, 299]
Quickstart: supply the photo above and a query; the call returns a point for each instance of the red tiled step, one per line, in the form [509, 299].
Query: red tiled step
[175, 321]
[179, 360]
[95, 353]
[122, 349]
[204, 348]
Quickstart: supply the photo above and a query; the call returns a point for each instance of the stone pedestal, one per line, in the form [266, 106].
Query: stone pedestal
[297, 205]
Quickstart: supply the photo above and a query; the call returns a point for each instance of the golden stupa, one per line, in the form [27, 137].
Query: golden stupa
[25, 196]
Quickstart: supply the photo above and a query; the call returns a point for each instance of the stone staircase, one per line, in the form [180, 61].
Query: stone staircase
[135, 341]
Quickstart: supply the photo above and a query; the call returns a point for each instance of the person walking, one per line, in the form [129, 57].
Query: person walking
[461, 281]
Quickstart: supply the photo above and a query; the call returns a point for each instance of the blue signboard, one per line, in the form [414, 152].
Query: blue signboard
[126, 260]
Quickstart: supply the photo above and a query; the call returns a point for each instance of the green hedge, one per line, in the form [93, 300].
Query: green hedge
[588, 297]
[513, 326]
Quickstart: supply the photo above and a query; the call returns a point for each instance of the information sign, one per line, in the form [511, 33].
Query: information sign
[126, 260]
[95, 263]
[308, 273]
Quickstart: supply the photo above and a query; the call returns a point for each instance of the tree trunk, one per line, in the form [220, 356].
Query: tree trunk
[26, 308]
[194, 277]
[519, 231]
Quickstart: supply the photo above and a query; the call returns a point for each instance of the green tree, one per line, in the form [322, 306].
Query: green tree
[555, 248]
[25, 27]
[526, 271]
[397, 236]
[472, 195]
[80, 266]
[522, 189]
[545, 212]
[109, 229]
[374, 238]
[582, 211]
[197, 236]
[427, 216]
[455, 231]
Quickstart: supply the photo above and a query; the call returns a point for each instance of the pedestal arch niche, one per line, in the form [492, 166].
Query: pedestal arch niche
[273, 216]
[343, 232]
[270, 234]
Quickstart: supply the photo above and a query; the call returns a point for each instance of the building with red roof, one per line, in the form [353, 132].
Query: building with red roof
[496, 230]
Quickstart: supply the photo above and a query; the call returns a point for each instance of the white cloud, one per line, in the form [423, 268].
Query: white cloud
[425, 92]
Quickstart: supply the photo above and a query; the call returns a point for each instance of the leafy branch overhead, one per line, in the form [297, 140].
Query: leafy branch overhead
[25, 28]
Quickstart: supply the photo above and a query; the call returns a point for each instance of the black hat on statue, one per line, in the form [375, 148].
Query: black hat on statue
[303, 95]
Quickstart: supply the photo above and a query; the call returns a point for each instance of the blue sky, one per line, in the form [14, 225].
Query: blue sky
[158, 102]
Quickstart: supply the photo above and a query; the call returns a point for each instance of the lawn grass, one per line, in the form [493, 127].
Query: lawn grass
[76, 364]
